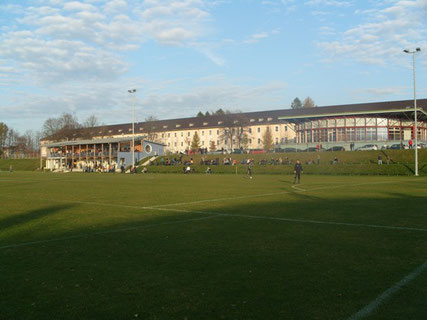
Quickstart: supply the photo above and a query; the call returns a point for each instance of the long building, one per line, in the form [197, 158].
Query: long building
[358, 124]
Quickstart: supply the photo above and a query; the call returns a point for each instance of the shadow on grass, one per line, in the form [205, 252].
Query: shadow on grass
[32, 215]
[225, 268]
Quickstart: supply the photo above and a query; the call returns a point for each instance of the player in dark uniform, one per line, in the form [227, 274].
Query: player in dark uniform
[297, 170]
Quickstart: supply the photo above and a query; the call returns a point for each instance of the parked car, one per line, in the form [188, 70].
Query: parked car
[396, 146]
[368, 147]
[336, 148]
[257, 151]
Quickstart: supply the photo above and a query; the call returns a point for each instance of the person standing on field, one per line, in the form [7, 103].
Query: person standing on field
[297, 170]
[249, 162]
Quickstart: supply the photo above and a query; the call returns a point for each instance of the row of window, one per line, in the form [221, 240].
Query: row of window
[352, 122]
[357, 134]
[175, 134]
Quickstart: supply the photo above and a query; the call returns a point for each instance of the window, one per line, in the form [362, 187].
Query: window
[349, 122]
[371, 121]
[394, 134]
[188, 134]
[323, 123]
[205, 123]
[175, 134]
[174, 144]
[250, 130]
[277, 140]
[381, 122]
[210, 132]
[163, 135]
[259, 140]
[169, 135]
[259, 129]
[286, 128]
[217, 142]
[182, 134]
[178, 125]
[360, 122]
[340, 123]
[323, 135]
[191, 124]
[371, 134]
[277, 129]
[250, 141]
[217, 132]
[203, 142]
[332, 135]
[331, 123]
[182, 144]
[360, 134]
[340, 134]
[350, 134]
[203, 133]
[308, 136]
[169, 144]
[382, 134]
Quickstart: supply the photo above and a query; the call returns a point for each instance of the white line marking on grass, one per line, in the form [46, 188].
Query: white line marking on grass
[271, 194]
[378, 226]
[298, 188]
[368, 309]
[84, 235]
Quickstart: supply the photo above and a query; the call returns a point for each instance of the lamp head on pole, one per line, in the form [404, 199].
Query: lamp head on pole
[418, 49]
[132, 90]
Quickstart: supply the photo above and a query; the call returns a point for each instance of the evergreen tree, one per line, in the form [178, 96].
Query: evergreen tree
[200, 114]
[296, 104]
[267, 140]
[207, 114]
[195, 143]
[219, 112]
[212, 146]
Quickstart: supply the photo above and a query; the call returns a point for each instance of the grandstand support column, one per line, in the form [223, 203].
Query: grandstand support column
[87, 154]
[72, 156]
[102, 153]
[109, 153]
[94, 154]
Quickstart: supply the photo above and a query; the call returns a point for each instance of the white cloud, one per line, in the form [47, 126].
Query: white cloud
[332, 3]
[382, 38]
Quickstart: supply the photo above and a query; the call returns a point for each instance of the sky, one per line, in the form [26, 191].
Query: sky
[82, 57]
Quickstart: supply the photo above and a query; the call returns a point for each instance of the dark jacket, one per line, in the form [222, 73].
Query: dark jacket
[298, 168]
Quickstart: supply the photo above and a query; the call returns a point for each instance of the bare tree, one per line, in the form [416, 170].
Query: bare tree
[150, 128]
[234, 131]
[90, 122]
[308, 103]
[64, 125]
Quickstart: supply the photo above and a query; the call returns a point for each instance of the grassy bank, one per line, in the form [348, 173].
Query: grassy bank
[401, 162]
[19, 164]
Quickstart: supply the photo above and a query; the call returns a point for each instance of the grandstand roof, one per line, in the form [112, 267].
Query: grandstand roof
[399, 109]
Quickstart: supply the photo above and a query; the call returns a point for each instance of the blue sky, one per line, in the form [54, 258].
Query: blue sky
[81, 57]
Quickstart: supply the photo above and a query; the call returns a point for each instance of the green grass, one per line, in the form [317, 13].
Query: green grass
[96, 246]
[19, 164]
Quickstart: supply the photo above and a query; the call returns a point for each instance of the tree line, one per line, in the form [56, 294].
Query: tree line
[12, 143]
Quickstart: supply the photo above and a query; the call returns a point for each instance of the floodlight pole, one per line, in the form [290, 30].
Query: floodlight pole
[415, 106]
[133, 92]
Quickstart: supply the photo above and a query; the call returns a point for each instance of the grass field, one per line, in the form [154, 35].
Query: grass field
[112, 246]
